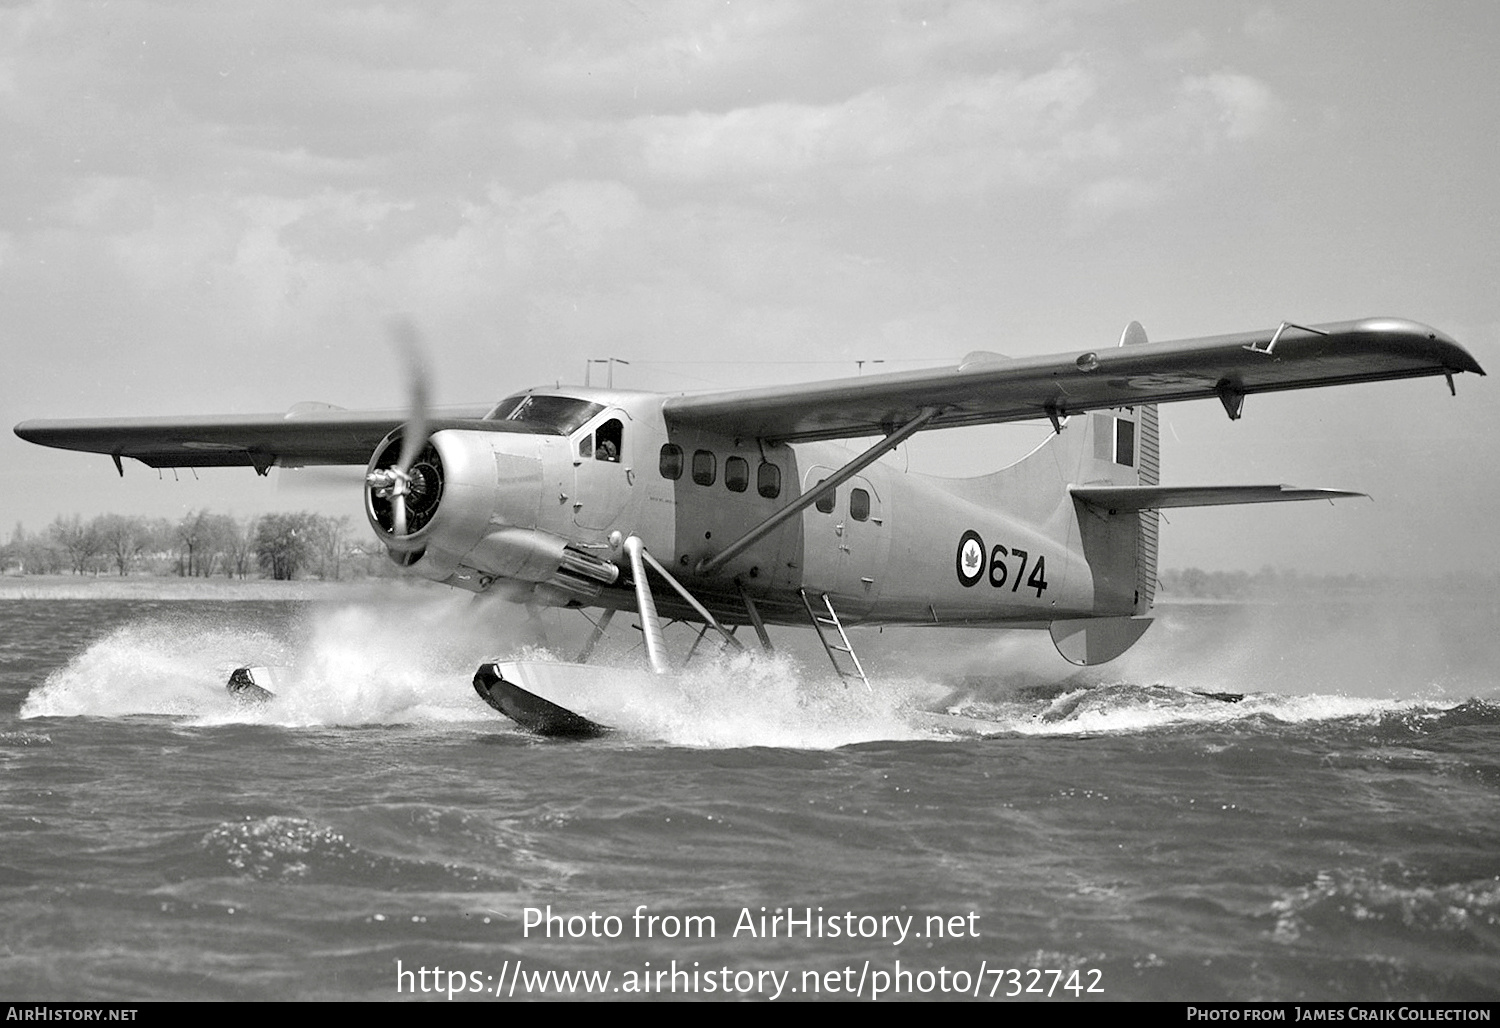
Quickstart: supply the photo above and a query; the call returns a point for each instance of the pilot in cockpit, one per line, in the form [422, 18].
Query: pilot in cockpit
[607, 441]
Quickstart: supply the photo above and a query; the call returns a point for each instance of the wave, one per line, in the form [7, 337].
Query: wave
[1391, 902]
[1125, 707]
[279, 848]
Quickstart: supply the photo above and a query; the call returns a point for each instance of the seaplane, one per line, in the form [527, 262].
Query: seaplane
[756, 507]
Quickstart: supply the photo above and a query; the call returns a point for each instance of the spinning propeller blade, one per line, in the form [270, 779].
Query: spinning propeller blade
[408, 344]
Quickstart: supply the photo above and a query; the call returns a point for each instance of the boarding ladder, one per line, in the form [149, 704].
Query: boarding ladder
[835, 642]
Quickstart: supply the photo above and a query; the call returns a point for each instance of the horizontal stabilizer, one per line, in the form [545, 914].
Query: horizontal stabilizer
[1116, 498]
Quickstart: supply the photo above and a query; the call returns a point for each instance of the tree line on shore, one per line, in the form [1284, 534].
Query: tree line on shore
[284, 546]
[201, 544]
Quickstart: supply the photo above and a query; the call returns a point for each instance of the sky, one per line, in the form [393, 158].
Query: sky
[217, 207]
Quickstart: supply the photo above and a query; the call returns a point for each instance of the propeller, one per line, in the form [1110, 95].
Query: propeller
[395, 482]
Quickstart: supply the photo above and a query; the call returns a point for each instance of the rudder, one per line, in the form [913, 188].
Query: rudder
[1148, 472]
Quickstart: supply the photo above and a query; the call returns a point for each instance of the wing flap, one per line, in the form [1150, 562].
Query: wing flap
[1115, 498]
[989, 392]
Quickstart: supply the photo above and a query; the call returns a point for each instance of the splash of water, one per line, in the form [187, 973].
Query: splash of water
[354, 663]
[153, 667]
[366, 663]
[753, 699]
[363, 663]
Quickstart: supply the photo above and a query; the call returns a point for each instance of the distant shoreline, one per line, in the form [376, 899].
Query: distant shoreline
[220, 590]
[152, 587]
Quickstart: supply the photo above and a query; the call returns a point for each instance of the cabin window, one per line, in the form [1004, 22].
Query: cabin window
[671, 461]
[825, 502]
[608, 440]
[586, 446]
[1124, 442]
[705, 467]
[737, 474]
[859, 505]
[768, 480]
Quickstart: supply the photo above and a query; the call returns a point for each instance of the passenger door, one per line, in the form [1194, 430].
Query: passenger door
[846, 542]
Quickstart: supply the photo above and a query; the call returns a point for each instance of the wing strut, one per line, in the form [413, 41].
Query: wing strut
[894, 438]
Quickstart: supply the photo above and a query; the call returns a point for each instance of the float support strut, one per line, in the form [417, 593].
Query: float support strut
[656, 650]
[594, 637]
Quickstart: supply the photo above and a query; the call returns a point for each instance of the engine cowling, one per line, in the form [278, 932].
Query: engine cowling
[471, 518]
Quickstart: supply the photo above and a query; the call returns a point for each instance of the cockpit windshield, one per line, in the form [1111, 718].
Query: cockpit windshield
[548, 415]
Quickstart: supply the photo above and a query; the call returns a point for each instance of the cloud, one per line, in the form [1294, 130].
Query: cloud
[530, 171]
[925, 102]
[1101, 200]
[681, 57]
[1228, 105]
[875, 139]
[1265, 24]
[958, 137]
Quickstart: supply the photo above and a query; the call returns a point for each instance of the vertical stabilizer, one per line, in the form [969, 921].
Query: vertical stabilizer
[1120, 547]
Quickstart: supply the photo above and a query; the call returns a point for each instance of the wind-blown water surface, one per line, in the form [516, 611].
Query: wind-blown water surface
[1333, 835]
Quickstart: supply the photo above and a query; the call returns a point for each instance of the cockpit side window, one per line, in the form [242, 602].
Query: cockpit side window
[609, 439]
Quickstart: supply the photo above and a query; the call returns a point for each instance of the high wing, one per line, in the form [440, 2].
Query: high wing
[983, 389]
[987, 389]
[301, 437]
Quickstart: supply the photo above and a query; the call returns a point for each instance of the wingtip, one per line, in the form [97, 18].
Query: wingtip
[1465, 361]
[1453, 356]
[1461, 359]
